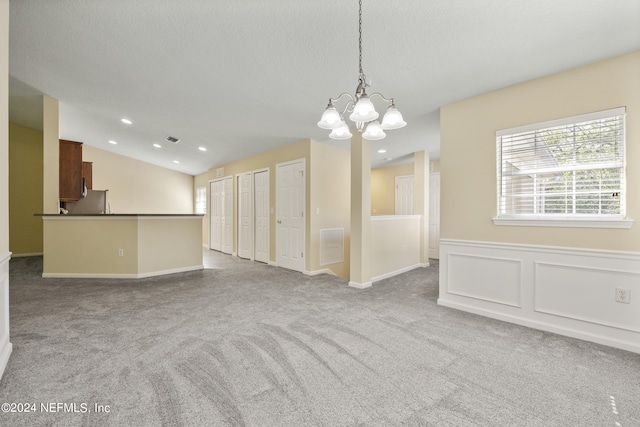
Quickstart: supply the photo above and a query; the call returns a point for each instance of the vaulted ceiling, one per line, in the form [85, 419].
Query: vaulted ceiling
[242, 77]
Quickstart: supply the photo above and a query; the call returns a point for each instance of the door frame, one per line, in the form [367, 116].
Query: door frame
[253, 183]
[304, 211]
[238, 213]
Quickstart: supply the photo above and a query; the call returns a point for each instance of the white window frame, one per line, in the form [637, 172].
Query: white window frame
[558, 220]
[201, 200]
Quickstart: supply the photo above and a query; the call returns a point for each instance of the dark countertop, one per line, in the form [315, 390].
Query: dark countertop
[112, 215]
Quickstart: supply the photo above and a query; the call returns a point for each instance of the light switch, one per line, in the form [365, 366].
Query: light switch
[317, 211]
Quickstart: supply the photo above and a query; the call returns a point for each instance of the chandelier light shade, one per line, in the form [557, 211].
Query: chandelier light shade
[361, 109]
[342, 132]
[364, 111]
[392, 119]
[374, 131]
[330, 118]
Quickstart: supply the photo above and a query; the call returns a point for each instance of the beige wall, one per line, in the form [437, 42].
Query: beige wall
[5, 344]
[395, 243]
[50, 155]
[330, 201]
[383, 191]
[25, 190]
[169, 244]
[150, 245]
[468, 151]
[4, 131]
[90, 245]
[269, 159]
[327, 188]
[139, 187]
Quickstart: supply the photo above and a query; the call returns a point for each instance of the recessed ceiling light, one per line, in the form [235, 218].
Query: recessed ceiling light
[388, 159]
[202, 149]
[112, 142]
[157, 145]
[176, 162]
[126, 121]
[382, 150]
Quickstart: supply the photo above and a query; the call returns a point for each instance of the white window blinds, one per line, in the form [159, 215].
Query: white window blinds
[573, 167]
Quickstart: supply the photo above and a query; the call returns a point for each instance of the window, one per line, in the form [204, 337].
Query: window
[201, 200]
[563, 170]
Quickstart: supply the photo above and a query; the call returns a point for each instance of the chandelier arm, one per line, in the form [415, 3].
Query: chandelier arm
[340, 96]
[351, 104]
[361, 97]
[389, 100]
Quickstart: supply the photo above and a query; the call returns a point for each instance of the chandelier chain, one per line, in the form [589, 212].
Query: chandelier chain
[360, 39]
[363, 112]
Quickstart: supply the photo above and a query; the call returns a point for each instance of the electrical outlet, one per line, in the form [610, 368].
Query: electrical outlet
[623, 295]
[120, 252]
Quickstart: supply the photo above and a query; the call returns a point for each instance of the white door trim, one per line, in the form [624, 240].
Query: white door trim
[210, 212]
[240, 215]
[268, 207]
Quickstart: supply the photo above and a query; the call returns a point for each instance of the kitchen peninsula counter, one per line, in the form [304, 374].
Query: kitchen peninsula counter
[121, 245]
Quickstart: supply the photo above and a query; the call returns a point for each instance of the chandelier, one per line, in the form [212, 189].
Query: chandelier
[361, 108]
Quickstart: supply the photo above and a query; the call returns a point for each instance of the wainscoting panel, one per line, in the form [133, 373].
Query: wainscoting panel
[585, 293]
[486, 278]
[569, 291]
[5, 344]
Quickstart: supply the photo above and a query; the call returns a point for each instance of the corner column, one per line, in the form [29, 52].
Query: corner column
[360, 250]
[5, 343]
[50, 155]
[421, 201]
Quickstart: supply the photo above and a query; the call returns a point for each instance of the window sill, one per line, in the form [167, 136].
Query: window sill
[565, 222]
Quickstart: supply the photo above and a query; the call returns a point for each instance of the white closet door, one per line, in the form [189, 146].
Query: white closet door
[290, 221]
[261, 209]
[215, 215]
[245, 217]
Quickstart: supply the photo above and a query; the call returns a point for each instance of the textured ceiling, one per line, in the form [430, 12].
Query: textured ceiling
[242, 77]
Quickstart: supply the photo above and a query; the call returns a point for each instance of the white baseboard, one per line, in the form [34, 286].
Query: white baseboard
[121, 276]
[360, 285]
[317, 272]
[568, 291]
[543, 326]
[5, 352]
[26, 255]
[5, 343]
[400, 271]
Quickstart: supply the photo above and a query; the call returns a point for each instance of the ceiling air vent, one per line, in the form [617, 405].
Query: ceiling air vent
[172, 139]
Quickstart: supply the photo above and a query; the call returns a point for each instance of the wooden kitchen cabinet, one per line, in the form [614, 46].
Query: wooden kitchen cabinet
[70, 170]
[87, 174]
